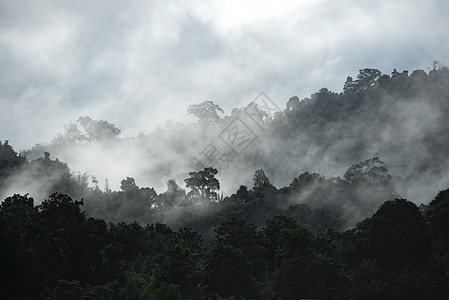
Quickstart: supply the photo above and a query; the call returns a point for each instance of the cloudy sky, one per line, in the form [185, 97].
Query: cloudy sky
[139, 63]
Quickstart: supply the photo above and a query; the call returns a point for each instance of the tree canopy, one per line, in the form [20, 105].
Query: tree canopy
[206, 111]
[297, 234]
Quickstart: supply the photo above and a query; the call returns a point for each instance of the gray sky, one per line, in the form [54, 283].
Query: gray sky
[139, 63]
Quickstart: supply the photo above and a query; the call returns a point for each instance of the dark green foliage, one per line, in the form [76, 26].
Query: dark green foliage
[272, 236]
[204, 184]
[438, 215]
[53, 250]
[48, 175]
[68, 290]
[260, 179]
[227, 272]
[366, 79]
[166, 292]
[391, 253]
[261, 242]
[22, 269]
[127, 184]
[371, 172]
[398, 235]
[242, 194]
[314, 274]
[327, 129]
[237, 241]
[9, 160]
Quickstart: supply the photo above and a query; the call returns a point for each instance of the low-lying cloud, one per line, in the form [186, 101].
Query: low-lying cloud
[139, 64]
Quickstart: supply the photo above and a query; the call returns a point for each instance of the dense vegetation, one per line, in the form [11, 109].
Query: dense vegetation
[53, 250]
[402, 118]
[349, 237]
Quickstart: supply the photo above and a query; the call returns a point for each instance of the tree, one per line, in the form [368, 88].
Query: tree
[305, 181]
[98, 130]
[167, 292]
[235, 265]
[367, 78]
[22, 271]
[263, 189]
[128, 184]
[136, 287]
[272, 235]
[438, 212]
[227, 272]
[63, 222]
[242, 194]
[237, 233]
[292, 104]
[9, 161]
[204, 183]
[398, 235]
[370, 172]
[260, 179]
[350, 86]
[49, 175]
[68, 290]
[72, 135]
[206, 112]
[86, 130]
[174, 193]
[438, 215]
[302, 270]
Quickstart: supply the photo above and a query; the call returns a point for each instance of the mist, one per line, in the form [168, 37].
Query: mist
[224, 149]
[141, 64]
[403, 127]
[147, 93]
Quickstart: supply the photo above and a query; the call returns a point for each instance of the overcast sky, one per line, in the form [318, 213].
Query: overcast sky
[139, 63]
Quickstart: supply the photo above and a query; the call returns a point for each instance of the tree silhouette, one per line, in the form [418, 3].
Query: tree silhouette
[204, 183]
[206, 111]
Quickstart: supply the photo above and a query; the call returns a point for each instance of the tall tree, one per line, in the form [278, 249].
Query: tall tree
[206, 111]
[260, 179]
[204, 183]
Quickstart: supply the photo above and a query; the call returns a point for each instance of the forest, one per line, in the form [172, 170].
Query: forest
[337, 196]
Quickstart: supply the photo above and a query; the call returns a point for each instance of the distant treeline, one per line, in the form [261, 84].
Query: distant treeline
[400, 117]
[311, 199]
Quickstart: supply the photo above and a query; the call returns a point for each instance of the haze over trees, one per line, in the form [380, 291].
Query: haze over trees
[312, 206]
[205, 112]
[399, 117]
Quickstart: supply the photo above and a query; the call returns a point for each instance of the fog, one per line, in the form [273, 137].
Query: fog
[325, 134]
[139, 64]
[138, 67]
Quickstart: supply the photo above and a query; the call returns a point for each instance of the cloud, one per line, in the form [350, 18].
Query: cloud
[138, 64]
